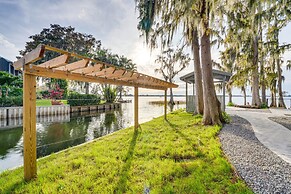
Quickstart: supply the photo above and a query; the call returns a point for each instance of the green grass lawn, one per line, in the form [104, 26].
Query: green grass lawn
[47, 102]
[175, 156]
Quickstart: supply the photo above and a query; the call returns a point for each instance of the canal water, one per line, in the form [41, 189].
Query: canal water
[54, 134]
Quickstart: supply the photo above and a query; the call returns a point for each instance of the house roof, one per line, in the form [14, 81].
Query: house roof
[85, 69]
[218, 76]
[5, 59]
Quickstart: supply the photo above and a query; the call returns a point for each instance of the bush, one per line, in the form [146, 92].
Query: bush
[226, 117]
[264, 105]
[109, 94]
[76, 99]
[11, 101]
[230, 104]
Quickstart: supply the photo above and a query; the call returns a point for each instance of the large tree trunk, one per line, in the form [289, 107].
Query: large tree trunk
[256, 101]
[273, 95]
[245, 95]
[229, 95]
[212, 112]
[171, 97]
[87, 86]
[197, 73]
[263, 83]
[280, 92]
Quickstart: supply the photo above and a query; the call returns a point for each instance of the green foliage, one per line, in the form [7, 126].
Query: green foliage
[11, 101]
[178, 156]
[109, 94]
[76, 99]
[230, 104]
[264, 106]
[226, 117]
[10, 85]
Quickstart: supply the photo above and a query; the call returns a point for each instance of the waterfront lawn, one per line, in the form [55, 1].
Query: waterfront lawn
[47, 102]
[175, 156]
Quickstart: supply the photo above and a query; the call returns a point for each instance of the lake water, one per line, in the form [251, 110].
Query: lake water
[75, 129]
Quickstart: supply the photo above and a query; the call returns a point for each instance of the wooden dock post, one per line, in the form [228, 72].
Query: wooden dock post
[165, 105]
[29, 126]
[135, 108]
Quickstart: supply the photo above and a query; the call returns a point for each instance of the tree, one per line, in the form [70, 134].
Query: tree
[168, 16]
[65, 38]
[169, 60]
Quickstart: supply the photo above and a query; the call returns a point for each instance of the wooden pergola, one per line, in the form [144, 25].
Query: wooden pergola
[71, 66]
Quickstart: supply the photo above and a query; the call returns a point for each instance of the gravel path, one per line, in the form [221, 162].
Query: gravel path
[285, 121]
[262, 170]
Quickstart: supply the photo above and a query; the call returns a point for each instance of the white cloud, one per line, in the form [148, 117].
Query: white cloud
[7, 49]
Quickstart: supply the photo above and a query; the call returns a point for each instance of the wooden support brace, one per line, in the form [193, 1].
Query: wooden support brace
[135, 108]
[29, 126]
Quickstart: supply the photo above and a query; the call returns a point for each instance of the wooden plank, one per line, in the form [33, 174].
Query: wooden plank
[29, 126]
[165, 105]
[75, 65]
[134, 76]
[56, 62]
[30, 57]
[52, 73]
[104, 72]
[89, 69]
[135, 108]
[118, 73]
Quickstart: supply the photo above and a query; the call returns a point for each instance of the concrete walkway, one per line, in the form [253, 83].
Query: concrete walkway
[273, 135]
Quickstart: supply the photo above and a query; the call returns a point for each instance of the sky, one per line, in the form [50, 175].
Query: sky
[114, 22]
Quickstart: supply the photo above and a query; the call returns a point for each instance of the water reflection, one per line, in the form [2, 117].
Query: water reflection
[55, 134]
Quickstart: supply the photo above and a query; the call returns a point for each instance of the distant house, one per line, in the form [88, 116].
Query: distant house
[6, 65]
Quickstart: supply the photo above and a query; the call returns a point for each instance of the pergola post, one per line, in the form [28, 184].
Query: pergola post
[186, 96]
[29, 126]
[135, 108]
[165, 105]
[223, 94]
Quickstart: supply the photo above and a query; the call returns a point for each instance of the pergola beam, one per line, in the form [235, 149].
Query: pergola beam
[74, 66]
[56, 62]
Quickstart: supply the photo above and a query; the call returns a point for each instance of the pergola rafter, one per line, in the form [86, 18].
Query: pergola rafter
[76, 67]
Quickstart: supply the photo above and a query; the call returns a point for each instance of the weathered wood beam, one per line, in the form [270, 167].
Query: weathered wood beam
[56, 62]
[29, 126]
[89, 69]
[74, 66]
[30, 57]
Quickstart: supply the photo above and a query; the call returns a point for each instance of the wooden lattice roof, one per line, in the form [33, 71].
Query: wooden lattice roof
[73, 66]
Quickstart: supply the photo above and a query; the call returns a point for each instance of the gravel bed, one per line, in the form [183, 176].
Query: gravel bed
[262, 170]
[285, 121]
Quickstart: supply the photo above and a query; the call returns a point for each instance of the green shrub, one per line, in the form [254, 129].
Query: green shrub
[109, 94]
[76, 99]
[226, 117]
[11, 101]
[230, 104]
[264, 105]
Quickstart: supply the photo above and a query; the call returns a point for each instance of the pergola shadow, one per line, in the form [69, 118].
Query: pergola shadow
[121, 185]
